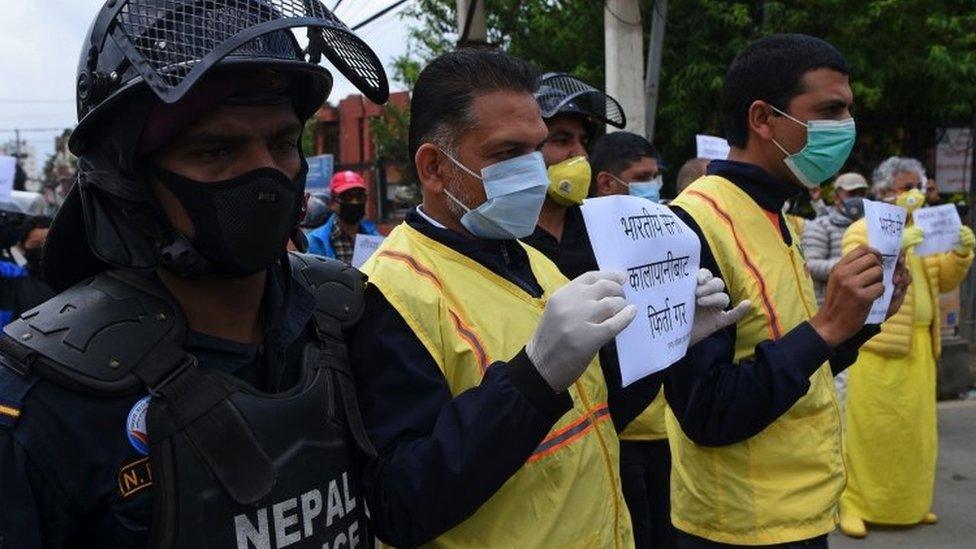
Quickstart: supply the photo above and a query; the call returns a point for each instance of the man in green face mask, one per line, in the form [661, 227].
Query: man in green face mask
[760, 462]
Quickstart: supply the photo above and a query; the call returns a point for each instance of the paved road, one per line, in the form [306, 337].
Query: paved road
[955, 491]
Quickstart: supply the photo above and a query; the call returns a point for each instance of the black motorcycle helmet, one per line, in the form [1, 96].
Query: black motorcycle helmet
[561, 93]
[142, 52]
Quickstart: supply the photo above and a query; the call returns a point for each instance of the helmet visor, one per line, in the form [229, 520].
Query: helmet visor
[564, 93]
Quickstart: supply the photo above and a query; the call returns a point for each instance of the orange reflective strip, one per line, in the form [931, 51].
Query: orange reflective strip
[568, 434]
[466, 333]
[415, 265]
[773, 322]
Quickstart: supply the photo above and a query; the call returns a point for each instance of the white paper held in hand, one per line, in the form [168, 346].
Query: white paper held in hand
[941, 227]
[659, 256]
[364, 247]
[886, 223]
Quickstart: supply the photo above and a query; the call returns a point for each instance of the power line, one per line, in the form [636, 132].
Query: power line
[379, 14]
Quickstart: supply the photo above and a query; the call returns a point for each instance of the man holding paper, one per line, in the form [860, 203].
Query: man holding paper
[761, 464]
[337, 237]
[890, 410]
[483, 398]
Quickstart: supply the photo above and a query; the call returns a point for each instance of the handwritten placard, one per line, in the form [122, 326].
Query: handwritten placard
[659, 256]
[886, 223]
[364, 247]
[941, 227]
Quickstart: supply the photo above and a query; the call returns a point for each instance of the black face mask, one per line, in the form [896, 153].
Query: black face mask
[351, 213]
[242, 224]
[33, 257]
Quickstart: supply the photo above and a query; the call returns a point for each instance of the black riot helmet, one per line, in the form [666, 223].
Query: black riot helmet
[561, 93]
[140, 53]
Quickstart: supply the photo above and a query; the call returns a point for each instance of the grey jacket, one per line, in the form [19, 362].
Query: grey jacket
[822, 247]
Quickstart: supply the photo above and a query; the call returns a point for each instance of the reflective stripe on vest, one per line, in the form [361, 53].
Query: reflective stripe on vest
[567, 494]
[782, 484]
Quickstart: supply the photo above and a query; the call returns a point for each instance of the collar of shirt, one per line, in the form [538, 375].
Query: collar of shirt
[506, 258]
[768, 191]
[429, 219]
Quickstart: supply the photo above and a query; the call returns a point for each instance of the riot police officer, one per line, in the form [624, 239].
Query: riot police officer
[189, 387]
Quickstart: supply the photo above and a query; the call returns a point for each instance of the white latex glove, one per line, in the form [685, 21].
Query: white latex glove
[710, 304]
[580, 317]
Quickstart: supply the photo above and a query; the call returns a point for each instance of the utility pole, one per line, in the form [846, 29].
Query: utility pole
[17, 144]
[624, 59]
[472, 30]
[652, 80]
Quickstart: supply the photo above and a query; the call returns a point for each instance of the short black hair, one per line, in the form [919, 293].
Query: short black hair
[616, 151]
[32, 223]
[771, 69]
[446, 87]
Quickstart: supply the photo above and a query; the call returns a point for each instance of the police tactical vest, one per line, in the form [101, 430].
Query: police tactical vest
[567, 494]
[233, 467]
[782, 484]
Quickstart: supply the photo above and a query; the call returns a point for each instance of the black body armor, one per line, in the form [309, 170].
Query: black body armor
[233, 467]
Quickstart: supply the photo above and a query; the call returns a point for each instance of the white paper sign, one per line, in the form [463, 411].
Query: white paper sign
[941, 227]
[886, 223]
[8, 170]
[659, 256]
[711, 147]
[364, 247]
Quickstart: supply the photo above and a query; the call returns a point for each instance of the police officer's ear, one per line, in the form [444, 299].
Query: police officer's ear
[433, 168]
[760, 118]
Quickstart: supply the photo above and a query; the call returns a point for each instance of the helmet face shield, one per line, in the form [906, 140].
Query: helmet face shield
[561, 93]
[171, 44]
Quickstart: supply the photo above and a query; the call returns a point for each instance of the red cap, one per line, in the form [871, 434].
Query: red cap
[343, 181]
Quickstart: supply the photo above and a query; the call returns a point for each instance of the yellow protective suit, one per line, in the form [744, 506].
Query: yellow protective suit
[890, 416]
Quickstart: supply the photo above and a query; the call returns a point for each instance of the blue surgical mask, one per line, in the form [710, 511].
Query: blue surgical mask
[515, 190]
[650, 190]
[829, 143]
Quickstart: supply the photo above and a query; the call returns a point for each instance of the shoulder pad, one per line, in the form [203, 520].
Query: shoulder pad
[337, 287]
[95, 335]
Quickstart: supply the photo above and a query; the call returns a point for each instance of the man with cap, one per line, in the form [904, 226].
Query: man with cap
[488, 410]
[189, 387]
[337, 237]
[822, 236]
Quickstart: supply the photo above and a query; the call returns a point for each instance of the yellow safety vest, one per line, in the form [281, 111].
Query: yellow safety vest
[784, 483]
[567, 494]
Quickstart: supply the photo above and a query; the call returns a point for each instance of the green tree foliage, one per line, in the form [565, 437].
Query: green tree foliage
[914, 60]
